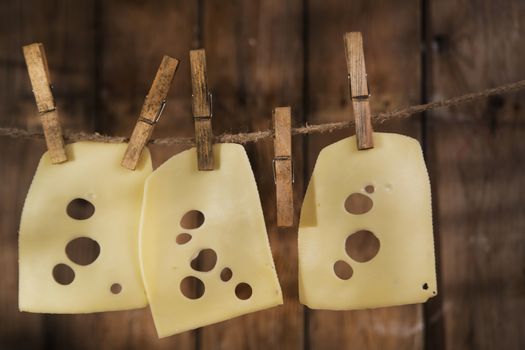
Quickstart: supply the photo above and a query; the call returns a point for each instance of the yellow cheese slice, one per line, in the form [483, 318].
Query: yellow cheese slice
[365, 234]
[89, 203]
[229, 233]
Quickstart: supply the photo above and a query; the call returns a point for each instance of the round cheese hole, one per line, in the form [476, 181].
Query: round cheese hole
[369, 189]
[63, 274]
[83, 250]
[425, 286]
[358, 203]
[204, 261]
[80, 209]
[192, 220]
[226, 274]
[343, 270]
[116, 288]
[362, 246]
[192, 287]
[243, 291]
[183, 238]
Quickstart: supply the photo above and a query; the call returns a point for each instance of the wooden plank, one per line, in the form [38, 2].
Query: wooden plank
[135, 36]
[392, 49]
[283, 166]
[477, 155]
[74, 91]
[202, 109]
[254, 54]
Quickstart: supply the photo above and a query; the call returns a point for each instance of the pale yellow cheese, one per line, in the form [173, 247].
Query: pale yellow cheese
[403, 270]
[233, 228]
[93, 173]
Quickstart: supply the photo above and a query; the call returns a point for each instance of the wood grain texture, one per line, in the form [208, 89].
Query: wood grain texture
[202, 109]
[199, 84]
[73, 87]
[53, 134]
[204, 143]
[283, 166]
[103, 55]
[133, 36]
[151, 111]
[254, 55]
[478, 166]
[37, 67]
[392, 41]
[359, 93]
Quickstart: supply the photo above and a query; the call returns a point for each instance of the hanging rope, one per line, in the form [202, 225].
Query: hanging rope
[256, 136]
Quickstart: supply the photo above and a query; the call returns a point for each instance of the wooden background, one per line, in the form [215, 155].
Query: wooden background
[262, 54]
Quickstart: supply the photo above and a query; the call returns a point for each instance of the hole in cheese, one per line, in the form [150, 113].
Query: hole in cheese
[204, 261]
[82, 250]
[425, 286]
[369, 189]
[226, 274]
[343, 270]
[192, 219]
[362, 246]
[63, 274]
[116, 288]
[183, 238]
[192, 287]
[80, 209]
[358, 203]
[243, 291]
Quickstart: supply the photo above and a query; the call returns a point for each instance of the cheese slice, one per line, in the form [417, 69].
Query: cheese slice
[379, 252]
[52, 278]
[231, 230]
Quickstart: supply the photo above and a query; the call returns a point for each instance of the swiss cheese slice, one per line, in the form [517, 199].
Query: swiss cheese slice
[380, 252]
[51, 279]
[231, 229]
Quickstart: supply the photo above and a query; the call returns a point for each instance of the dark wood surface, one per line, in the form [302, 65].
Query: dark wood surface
[263, 54]
[477, 163]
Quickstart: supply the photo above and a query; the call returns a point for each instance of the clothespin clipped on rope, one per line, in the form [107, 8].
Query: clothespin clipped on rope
[151, 111]
[359, 90]
[202, 109]
[283, 166]
[36, 61]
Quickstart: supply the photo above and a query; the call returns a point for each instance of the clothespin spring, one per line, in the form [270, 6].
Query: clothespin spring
[157, 117]
[280, 158]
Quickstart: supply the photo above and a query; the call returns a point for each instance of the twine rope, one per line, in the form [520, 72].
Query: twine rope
[256, 136]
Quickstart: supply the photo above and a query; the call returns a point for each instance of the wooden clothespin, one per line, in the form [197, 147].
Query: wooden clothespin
[360, 93]
[282, 165]
[202, 109]
[151, 111]
[36, 61]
